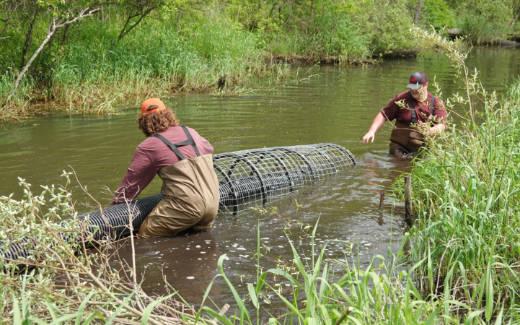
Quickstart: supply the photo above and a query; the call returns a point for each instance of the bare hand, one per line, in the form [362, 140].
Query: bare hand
[369, 137]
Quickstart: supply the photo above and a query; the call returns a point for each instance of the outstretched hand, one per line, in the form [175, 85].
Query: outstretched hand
[368, 137]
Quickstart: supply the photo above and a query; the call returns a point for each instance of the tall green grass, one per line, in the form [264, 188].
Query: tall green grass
[467, 193]
[92, 73]
[157, 60]
[466, 243]
[311, 293]
[18, 105]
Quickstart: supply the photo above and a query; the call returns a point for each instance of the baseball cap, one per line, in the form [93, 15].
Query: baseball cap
[417, 80]
[152, 105]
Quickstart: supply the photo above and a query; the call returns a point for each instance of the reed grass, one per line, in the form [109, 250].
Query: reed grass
[466, 240]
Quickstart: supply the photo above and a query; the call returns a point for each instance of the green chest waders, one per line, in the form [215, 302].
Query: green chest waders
[190, 194]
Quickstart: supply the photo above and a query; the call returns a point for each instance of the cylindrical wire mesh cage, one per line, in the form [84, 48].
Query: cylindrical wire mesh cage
[246, 178]
[259, 176]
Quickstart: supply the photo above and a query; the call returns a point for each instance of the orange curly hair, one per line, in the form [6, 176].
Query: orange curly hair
[157, 121]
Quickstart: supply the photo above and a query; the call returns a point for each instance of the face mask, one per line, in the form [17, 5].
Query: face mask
[420, 94]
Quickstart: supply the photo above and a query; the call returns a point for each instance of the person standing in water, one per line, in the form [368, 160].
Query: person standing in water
[183, 160]
[417, 114]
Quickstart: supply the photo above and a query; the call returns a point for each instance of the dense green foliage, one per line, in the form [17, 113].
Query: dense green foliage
[93, 55]
[467, 193]
[487, 21]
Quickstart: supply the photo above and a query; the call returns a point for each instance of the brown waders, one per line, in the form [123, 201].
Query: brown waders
[190, 194]
[405, 140]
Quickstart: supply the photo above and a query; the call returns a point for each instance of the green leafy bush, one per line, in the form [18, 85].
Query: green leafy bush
[385, 24]
[484, 20]
[438, 14]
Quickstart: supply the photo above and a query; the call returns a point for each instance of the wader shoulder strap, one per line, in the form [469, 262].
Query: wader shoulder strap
[412, 109]
[171, 145]
[414, 114]
[190, 140]
[175, 146]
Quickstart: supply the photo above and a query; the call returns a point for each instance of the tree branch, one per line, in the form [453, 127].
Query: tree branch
[418, 9]
[82, 14]
[28, 36]
[54, 25]
[121, 33]
[125, 31]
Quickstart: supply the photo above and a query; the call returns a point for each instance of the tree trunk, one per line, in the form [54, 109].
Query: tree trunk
[28, 37]
[54, 25]
[128, 26]
[64, 35]
[418, 9]
[50, 34]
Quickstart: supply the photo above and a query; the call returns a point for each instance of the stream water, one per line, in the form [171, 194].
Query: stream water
[333, 104]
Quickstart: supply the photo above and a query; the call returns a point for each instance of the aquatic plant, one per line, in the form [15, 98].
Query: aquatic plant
[309, 292]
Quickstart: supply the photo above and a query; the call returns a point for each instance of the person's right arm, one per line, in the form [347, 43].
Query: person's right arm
[377, 123]
[387, 113]
[139, 174]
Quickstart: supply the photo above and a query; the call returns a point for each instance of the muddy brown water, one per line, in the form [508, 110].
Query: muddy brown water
[333, 105]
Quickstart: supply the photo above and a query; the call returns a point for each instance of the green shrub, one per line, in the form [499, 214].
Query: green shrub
[385, 24]
[485, 20]
[438, 14]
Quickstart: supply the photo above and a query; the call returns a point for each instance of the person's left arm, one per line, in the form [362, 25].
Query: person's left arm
[138, 175]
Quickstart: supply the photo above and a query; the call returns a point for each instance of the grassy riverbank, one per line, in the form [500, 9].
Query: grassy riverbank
[468, 231]
[156, 61]
[120, 52]
[467, 238]
[91, 68]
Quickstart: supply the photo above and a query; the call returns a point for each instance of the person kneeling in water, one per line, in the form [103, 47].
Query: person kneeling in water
[183, 160]
[417, 113]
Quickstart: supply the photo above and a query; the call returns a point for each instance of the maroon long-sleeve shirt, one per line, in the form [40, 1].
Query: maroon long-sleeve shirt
[151, 155]
[392, 111]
